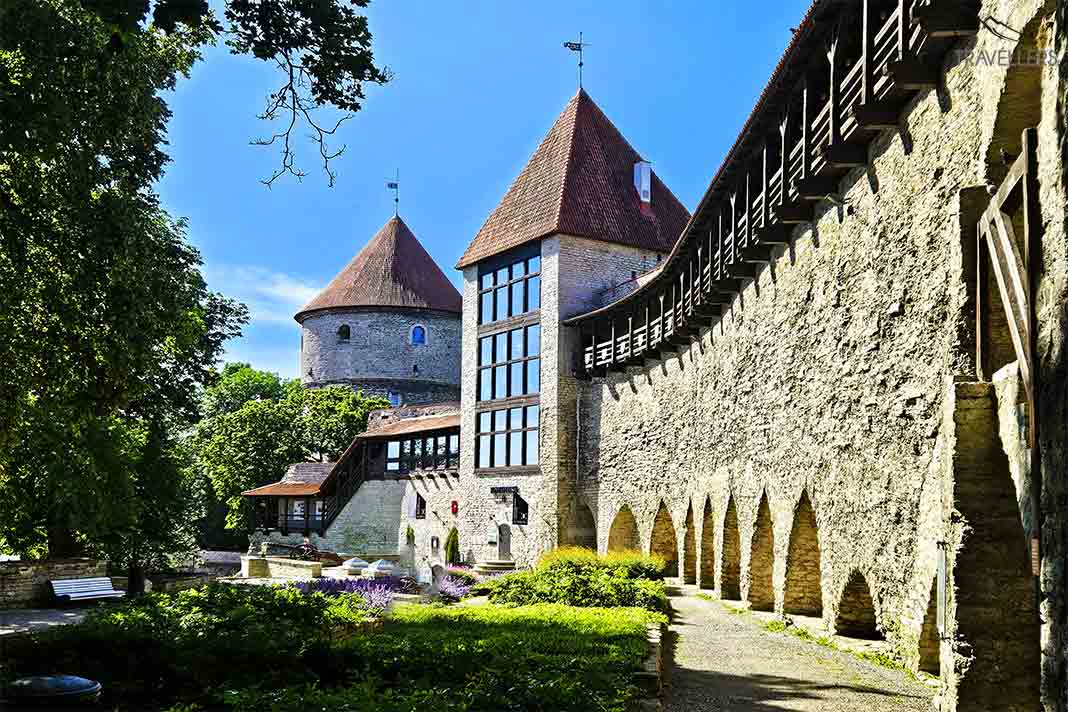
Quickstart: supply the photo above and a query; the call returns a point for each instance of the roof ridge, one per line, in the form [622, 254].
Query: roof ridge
[393, 269]
[579, 182]
[568, 164]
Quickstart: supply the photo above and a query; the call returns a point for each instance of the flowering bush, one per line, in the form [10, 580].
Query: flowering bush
[452, 588]
[462, 573]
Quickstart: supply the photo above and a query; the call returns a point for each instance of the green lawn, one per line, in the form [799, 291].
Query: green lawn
[268, 650]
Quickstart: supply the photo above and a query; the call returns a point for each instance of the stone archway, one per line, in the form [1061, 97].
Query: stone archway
[623, 534]
[663, 541]
[708, 546]
[930, 654]
[803, 594]
[583, 529]
[856, 610]
[730, 571]
[689, 549]
[762, 560]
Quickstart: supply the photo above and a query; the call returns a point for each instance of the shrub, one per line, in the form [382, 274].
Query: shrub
[452, 588]
[628, 564]
[579, 577]
[463, 573]
[377, 594]
[164, 647]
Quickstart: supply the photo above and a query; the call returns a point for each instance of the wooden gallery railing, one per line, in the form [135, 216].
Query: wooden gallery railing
[847, 76]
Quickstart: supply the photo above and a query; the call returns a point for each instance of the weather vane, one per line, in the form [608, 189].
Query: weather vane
[578, 47]
[394, 185]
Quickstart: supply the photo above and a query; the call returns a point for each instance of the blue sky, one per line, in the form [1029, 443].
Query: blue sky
[477, 85]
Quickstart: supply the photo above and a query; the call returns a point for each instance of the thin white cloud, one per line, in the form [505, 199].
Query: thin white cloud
[272, 297]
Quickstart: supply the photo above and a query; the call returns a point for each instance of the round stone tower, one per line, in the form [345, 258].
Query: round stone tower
[388, 324]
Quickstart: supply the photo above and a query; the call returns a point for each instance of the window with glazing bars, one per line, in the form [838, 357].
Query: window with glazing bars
[435, 452]
[508, 438]
[510, 290]
[509, 363]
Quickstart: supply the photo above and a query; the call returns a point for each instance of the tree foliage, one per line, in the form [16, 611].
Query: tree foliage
[109, 330]
[252, 442]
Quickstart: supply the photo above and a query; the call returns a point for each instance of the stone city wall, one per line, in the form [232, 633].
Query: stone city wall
[25, 583]
[826, 391]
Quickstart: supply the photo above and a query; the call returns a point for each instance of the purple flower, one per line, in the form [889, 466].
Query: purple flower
[452, 588]
[378, 597]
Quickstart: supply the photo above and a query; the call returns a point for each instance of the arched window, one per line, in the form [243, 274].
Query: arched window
[343, 334]
[418, 336]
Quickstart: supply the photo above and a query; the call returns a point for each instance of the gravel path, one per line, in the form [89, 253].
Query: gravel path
[718, 661]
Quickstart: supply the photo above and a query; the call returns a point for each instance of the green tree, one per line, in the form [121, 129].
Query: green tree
[238, 384]
[247, 448]
[108, 329]
[331, 417]
[267, 425]
[86, 464]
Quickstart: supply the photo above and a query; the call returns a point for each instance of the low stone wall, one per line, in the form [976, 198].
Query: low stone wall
[273, 567]
[25, 583]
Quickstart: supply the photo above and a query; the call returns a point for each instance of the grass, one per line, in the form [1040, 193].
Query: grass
[253, 649]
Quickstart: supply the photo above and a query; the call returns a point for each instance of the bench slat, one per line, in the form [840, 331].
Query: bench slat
[84, 589]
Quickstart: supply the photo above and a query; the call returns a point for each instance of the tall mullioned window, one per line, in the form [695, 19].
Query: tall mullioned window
[510, 290]
[509, 363]
[508, 438]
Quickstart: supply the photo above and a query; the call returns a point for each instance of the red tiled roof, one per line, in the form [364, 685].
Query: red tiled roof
[414, 425]
[302, 478]
[284, 489]
[580, 182]
[393, 270]
[800, 33]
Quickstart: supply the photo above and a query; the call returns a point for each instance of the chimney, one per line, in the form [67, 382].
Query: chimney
[643, 183]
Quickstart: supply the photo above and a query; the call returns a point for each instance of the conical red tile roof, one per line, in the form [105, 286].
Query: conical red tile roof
[393, 270]
[580, 182]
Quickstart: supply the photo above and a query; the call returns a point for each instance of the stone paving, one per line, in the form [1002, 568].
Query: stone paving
[725, 662]
[29, 619]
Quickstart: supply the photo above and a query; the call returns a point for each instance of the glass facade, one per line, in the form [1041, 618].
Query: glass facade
[509, 363]
[510, 290]
[508, 437]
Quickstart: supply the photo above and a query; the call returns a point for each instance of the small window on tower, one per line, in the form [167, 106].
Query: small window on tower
[420, 506]
[343, 334]
[418, 335]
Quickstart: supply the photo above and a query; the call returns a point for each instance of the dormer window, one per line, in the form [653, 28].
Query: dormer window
[418, 335]
[343, 334]
[643, 181]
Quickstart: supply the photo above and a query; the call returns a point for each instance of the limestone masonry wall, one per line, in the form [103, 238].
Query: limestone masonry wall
[827, 382]
[24, 583]
[379, 355]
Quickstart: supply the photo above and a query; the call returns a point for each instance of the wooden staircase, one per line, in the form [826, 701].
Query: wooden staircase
[343, 481]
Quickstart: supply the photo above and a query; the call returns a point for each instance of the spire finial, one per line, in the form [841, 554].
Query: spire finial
[578, 47]
[394, 185]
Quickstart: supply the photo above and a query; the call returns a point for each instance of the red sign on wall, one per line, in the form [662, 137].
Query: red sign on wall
[455, 507]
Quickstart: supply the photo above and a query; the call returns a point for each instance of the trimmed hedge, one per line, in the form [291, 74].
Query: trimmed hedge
[579, 577]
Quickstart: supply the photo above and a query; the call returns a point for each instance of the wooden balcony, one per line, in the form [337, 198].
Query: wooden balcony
[805, 135]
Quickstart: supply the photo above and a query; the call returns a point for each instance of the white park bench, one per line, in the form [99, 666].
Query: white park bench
[86, 589]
